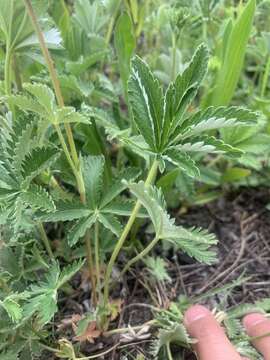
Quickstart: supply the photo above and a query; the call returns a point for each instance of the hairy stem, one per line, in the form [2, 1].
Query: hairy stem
[151, 176]
[90, 265]
[45, 240]
[53, 75]
[7, 70]
[17, 74]
[169, 353]
[112, 21]
[97, 256]
[265, 77]
[173, 70]
[141, 255]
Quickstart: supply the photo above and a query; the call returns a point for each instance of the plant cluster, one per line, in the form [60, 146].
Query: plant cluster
[104, 129]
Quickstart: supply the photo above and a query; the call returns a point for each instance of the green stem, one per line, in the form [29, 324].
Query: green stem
[169, 353]
[45, 240]
[265, 77]
[173, 58]
[73, 159]
[7, 70]
[90, 265]
[16, 71]
[141, 255]
[111, 24]
[151, 176]
[97, 257]
[53, 75]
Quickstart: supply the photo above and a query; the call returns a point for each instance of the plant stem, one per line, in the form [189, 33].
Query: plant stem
[142, 254]
[173, 57]
[45, 240]
[121, 240]
[97, 256]
[90, 265]
[169, 353]
[265, 77]
[73, 159]
[16, 71]
[7, 70]
[53, 75]
[111, 23]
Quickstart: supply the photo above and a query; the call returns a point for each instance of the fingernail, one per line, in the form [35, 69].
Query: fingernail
[252, 320]
[195, 313]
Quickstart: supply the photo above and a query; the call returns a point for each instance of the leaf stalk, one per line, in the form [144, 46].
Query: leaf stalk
[150, 178]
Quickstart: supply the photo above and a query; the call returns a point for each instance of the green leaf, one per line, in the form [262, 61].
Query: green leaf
[214, 118]
[232, 63]
[177, 335]
[26, 103]
[188, 83]
[145, 97]
[69, 271]
[38, 198]
[36, 162]
[93, 172]
[79, 229]
[110, 222]
[234, 174]
[157, 267]
[68, 114]
[196, 242]
[65, 211]
[182, 160]
[125, 43]
[122, 207]
[42, 299]
[80, 66]
[208, 145]
[43, 95]
[117, 185]
[13, 309]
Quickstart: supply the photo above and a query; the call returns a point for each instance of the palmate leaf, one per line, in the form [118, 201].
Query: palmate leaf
[145, 97]
[42, 298]
[195, 242]
[93, 171]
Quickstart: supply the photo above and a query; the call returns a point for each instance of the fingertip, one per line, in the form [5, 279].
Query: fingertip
[195, 313]
[252, 320]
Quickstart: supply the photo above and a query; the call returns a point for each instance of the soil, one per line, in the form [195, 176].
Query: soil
[242, 225]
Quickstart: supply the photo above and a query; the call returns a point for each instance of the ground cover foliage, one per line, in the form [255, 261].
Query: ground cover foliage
[134, 167]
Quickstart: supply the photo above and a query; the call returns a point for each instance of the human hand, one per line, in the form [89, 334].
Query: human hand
[213, 343]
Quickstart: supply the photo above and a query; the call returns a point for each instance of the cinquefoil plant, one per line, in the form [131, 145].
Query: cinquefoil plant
[161, 129]
[166, 132]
